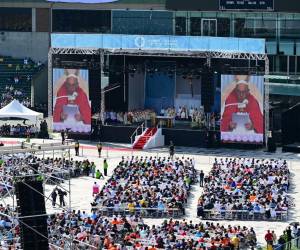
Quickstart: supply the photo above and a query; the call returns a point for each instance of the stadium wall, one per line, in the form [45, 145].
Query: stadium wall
[25, 44]
[40, 83]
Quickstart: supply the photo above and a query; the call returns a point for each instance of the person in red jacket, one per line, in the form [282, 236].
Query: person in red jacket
[269, 238]
[70, 93]
[240, 100]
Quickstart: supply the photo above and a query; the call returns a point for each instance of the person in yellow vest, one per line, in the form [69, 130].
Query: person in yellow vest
[235, 241]
[77, 148]
[131, 207]
[99, 148]
[39, 178]
[105, 167]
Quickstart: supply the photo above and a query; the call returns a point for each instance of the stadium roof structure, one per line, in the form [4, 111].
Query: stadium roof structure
[162, 44]
[115, 3]
[120, 4]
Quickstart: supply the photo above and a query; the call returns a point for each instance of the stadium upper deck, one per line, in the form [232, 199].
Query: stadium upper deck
[155, 4]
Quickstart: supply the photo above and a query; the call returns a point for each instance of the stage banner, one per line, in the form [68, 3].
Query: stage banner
[159, 43]
[242, 104]
[83, 1]
[71, 104]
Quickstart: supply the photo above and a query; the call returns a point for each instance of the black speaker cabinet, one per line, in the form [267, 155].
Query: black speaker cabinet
[31, 205]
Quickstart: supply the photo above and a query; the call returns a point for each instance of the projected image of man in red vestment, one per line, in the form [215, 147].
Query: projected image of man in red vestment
[240, 100]
[71, 94]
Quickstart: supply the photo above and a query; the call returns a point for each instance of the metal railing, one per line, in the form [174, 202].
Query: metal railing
[290, 245]
[143, 212]
[211, 214]
[141, 127]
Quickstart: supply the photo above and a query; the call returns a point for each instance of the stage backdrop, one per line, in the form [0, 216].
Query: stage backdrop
[136, 91]
[188, 93]
[159, 88]
[71, 104]
[242, 101]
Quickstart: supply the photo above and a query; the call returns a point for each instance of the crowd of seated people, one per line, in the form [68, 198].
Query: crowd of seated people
[21, 164]
[17, 75]
[12, 93]
[148, 185]
[130, 117]
[183, 235]
[41, 108]
[18, 130]
[9, 229]
[91, 230]
[79, 228]
[74, 168]
[22, 70]
[246, 188]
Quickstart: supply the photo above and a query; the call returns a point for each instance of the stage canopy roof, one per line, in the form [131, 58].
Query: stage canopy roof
[159, 43]
[17, 110]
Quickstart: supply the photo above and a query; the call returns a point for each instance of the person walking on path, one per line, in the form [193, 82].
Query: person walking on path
[201, 178]
[172, 150]
[61, 195]
[105, 167]
[289, 238]
[93, 169]
[99, 148]
[63, 137]
[95, 189]
[77, 148]
[269, 239]
[54, 196]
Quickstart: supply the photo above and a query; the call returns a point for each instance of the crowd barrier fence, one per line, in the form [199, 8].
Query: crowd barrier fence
[211, 214]
[143, 212]
[291, 245]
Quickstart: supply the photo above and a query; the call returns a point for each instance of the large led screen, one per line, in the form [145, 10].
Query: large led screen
[242, 117]
[71, 104]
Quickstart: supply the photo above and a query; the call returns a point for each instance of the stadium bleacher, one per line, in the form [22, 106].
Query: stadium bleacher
[15, 79]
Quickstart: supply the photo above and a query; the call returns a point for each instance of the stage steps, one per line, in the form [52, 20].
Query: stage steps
[144, 138]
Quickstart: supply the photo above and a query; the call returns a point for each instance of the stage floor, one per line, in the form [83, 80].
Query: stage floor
[187, 137]
[294, 147]
[179, 124]
[180, 136]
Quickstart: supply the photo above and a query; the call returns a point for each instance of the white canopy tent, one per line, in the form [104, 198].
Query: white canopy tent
[17, 110]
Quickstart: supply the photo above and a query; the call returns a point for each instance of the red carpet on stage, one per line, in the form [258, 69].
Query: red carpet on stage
[141, 142]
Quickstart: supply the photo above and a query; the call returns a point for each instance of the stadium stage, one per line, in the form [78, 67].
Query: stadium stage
[153, 76]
